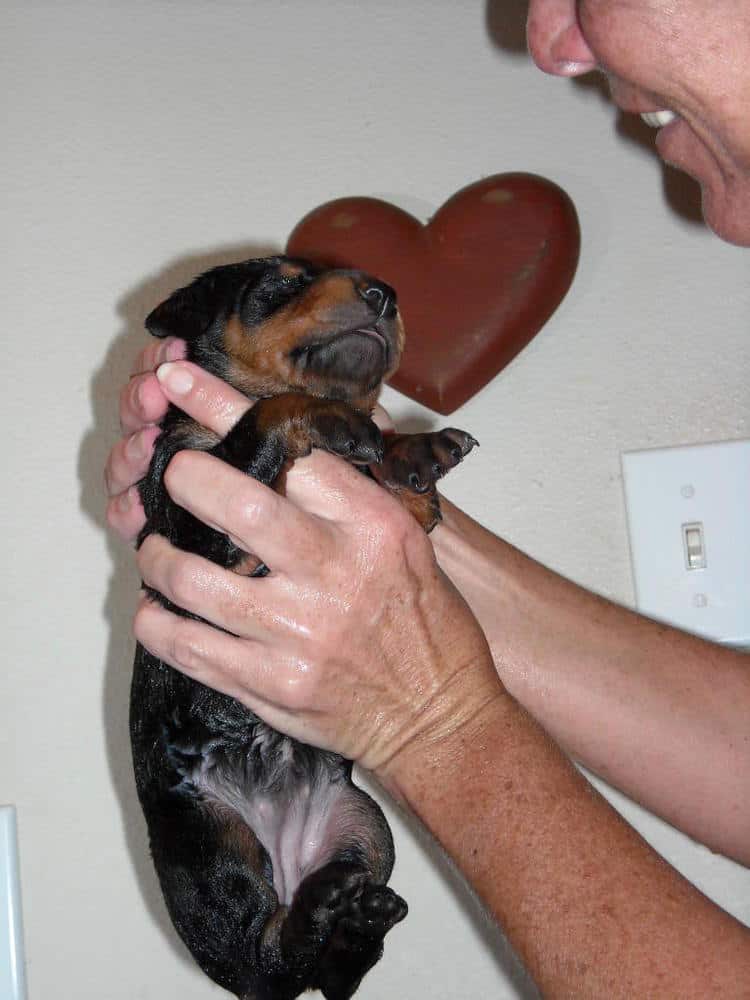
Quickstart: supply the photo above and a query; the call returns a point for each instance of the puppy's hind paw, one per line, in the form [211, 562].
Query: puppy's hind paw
[372, 915]
[357, 942]
[321, 901]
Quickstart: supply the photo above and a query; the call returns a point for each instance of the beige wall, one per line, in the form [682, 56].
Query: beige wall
[141, 141]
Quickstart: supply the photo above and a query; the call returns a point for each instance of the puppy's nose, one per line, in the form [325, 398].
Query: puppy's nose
[380, 297]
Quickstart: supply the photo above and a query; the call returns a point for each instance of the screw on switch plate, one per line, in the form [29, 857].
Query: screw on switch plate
[689, 524]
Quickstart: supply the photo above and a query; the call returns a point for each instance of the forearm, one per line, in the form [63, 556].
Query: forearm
[660, 714]
[591, 910]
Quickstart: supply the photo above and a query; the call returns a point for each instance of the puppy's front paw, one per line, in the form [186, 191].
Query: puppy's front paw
[416, 461]
[349, 434]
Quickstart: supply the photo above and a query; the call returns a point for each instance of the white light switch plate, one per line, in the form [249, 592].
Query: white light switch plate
[691, 506]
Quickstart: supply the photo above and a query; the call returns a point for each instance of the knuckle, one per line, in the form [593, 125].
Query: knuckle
[133, 397]
[234, 605]
[244, 513]
[114, 518]
[296, 687]
[148, 552]
[114, 470]
[142, 627]
[185, 649]
[138, 621]
[125, 409]
[177, 468]
[179, 578]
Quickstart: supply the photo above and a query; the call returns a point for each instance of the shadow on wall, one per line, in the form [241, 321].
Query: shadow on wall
[506, 26]
[505, 21]
[122, 598]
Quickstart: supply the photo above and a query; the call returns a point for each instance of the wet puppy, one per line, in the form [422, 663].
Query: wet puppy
[272, 862]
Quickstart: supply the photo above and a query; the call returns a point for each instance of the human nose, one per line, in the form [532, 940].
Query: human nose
[555, 39]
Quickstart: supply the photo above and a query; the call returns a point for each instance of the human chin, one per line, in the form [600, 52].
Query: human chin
[725, 191]
[727, 214]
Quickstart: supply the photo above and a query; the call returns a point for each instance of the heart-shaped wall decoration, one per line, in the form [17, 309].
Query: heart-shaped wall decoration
[474, 285]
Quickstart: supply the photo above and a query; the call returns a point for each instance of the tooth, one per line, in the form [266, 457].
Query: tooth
[658, 118]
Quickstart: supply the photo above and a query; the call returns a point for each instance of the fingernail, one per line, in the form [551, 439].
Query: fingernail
[175, 378]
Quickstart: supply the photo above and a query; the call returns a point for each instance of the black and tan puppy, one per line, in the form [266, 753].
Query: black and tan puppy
[272, 862]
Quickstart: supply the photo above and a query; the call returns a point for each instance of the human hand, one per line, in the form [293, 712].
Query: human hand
[352, 575]
[355, 642]
[143, 403]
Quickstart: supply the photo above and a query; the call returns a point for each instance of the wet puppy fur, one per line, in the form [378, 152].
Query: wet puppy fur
[273, 864]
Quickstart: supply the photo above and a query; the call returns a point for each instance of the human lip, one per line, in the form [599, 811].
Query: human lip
[633, 103]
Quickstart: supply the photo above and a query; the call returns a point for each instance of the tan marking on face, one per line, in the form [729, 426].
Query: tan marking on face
[259, 357]
[259, 361]
[264, 349]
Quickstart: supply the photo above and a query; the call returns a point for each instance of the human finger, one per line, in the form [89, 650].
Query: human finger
[333, 490]
[268, 683]
[156, 352]
[129, 459]
[238, 604]
[210, 400]
[255, 518]
[125, 514]
[142, 402]
[194, 648]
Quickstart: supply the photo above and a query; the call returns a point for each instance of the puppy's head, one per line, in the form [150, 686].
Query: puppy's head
[274, 325]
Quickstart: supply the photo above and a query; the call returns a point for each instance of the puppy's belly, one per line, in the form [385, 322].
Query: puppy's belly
[303, 810]
[300, 832]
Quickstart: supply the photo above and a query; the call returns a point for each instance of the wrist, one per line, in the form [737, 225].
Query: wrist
[480, 565]
[463, 712]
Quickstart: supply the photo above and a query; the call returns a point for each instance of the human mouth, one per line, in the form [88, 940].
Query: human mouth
[657, 119]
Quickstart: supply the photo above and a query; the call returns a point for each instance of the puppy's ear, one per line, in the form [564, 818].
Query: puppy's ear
[191, 311]
[188, 312]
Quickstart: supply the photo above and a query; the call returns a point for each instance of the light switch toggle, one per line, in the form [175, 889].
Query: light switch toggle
[694, 544]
